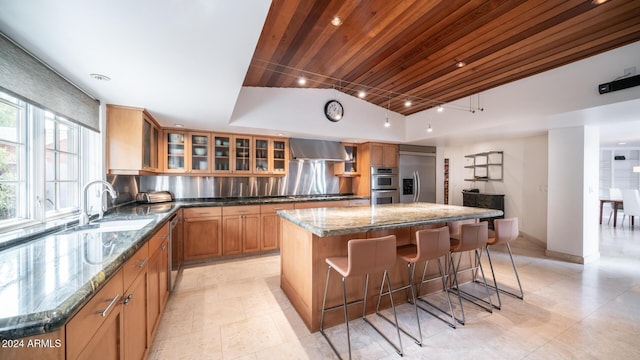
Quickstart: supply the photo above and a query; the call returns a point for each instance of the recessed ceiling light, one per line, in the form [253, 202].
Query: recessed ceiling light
[461, 64]
[440, 108]
[280, 134]
[361, 94]
[407, 103]
[622, 143]
[178, 125]
[302, 81]
[100, 77]
[336, 21]
[598, 2]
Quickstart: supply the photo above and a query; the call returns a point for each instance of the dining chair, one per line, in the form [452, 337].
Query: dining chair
[631, 201]
[616, 194]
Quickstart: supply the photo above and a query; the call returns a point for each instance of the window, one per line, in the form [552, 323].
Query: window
[61, 165]
[13, 163]
[40, 163]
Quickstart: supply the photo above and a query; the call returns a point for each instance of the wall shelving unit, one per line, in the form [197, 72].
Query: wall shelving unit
[485, 166]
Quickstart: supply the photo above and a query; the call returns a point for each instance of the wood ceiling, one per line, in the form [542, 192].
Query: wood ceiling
[408, 49]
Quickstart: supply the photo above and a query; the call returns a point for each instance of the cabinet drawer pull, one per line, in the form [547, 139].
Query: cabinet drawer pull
[141, 264]
[163, 247]
[104, 312]
[164, 236]
[127, 299]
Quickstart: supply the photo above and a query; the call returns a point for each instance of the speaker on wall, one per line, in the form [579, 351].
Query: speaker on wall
[621, 84]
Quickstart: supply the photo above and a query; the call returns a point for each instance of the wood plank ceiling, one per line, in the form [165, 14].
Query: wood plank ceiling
[409, 49]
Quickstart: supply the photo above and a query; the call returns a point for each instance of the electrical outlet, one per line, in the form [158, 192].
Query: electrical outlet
[629, 71]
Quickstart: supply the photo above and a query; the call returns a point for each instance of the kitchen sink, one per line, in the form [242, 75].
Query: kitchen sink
[112, 226]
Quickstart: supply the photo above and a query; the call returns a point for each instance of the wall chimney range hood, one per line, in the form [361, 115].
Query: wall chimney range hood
[308, 149]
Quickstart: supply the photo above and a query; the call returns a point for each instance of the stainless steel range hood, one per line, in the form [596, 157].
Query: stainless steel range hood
[307, 149]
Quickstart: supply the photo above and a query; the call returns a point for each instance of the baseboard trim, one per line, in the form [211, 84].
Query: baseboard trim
[572, 258]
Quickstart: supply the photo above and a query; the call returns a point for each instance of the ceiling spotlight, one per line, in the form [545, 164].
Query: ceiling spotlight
[461, 64]
[336, 21]
[407, 103]
[429, 129]
[362, 94]
[302, 81]
[100, 77]
[440, 108]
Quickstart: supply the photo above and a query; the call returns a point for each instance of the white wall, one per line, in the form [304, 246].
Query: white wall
[301, 113]
[524, 185]
[572, 231]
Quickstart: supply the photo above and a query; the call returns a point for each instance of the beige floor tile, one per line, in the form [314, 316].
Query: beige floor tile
[235, 309]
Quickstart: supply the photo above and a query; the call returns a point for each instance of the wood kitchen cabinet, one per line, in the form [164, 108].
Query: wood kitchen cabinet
[241, 229]
[321, 204]
[242, 154]
[158, 277]
[136, 327]
[385, 155]
[97, 329]
[202, 233]
[271, 155]
[133, 141]
[350, 167]
[279, 156]
[186, 152]
[271, 228]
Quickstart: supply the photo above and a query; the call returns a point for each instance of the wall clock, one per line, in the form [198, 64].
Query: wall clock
[333, 110]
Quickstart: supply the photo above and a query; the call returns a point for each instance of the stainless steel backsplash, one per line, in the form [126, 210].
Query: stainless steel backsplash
[303, 178]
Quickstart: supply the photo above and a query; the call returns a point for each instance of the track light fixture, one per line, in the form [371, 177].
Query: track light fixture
[357, 89]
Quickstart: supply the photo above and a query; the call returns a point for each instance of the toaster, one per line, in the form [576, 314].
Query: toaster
[153, 197]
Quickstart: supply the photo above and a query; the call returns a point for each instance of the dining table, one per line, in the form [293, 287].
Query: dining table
[615, 204]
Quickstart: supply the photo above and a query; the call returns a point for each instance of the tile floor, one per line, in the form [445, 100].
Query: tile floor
[236, 310]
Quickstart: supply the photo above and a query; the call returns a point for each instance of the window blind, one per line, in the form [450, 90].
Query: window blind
[30, 79]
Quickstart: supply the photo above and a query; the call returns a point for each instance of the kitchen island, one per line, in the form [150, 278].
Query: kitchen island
[311, 235]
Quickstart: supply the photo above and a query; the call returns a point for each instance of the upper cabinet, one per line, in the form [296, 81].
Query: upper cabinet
[349, 167]
[385, 155]
[133, 139]
[242, 161]
[200, 150]
[175, 151]
[271, 155]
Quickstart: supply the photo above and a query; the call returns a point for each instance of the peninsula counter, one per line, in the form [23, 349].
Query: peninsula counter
[309, 236]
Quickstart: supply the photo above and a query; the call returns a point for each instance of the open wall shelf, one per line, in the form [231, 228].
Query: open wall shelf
[485, 166]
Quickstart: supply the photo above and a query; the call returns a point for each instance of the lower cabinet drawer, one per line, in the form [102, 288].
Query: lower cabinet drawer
[135, 265]
[81, 328]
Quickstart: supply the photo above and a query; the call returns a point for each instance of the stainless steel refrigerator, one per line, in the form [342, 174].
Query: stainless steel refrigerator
[417, 173]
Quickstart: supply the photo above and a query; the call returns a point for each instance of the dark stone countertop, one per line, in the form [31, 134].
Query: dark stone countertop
[46, 278]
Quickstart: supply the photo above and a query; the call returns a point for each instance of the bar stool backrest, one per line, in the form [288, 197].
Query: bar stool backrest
[371, 255]
[432, 243]
[454, 226]
[473, 236]
[506, 230]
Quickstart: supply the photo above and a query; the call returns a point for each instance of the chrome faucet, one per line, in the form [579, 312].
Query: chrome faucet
[84, 215]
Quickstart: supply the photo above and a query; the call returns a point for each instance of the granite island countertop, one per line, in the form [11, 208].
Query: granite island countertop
[338, 221]
[45, 279]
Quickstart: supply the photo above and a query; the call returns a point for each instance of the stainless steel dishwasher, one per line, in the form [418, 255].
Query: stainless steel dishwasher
[175, 254]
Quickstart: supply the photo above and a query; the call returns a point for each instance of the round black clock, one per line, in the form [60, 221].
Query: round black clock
[333, 110]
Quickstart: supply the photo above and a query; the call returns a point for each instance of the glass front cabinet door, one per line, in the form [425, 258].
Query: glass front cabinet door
[200, 153]
[222, 153]
[261, 158]
[242, 148]
[280, 156]
[176, 146]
